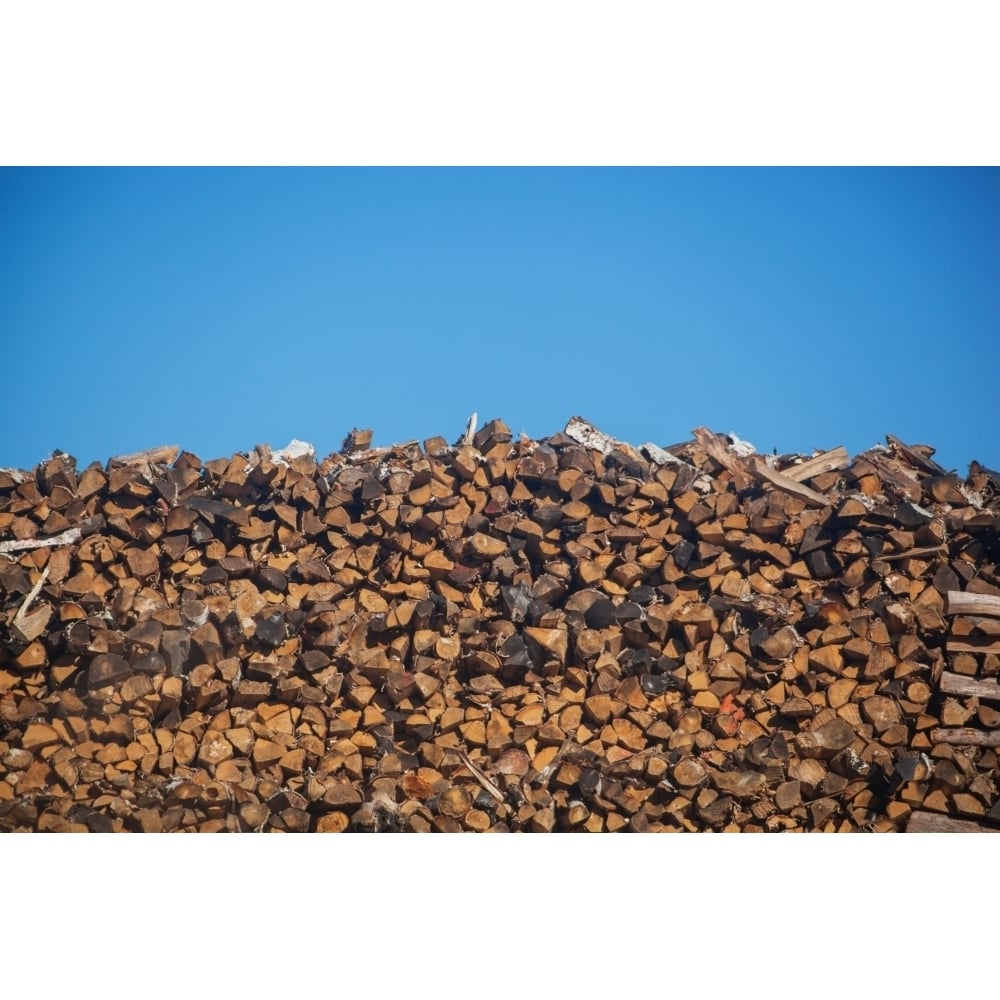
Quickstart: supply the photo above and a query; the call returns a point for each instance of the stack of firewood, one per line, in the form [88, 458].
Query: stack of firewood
[566, 634]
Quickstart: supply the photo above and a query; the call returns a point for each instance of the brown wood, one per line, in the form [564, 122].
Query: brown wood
[928, 822]
[67, 537]
[718, 448]
[564, 634]
[836, 458]
[965, 603]
[161, 455]
[783, 482]
[965, 736]
[957, 684]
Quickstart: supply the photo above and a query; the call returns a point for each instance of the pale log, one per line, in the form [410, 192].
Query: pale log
[928, 822]
[974, 644]
[962, 602]
[589, 436]
[969, 687]
[964, 736]
[161, 455]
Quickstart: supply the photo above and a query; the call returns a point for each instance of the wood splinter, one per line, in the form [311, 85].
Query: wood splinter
[28, 630]
[67, 537]
[491, 788]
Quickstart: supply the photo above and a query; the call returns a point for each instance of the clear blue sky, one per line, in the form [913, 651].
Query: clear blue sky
[219, 308]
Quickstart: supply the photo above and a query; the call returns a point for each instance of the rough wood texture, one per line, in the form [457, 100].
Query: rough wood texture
[962, 603]
[957, 684]
[926, 822]
[502, 634]
[966, 736]
[828, 461]
[789, 485]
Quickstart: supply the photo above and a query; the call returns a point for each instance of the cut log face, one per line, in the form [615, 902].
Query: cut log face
[502, 634]
[827, 740]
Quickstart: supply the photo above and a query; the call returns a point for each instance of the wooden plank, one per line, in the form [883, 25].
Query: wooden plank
[782, 482]
[928, 822]
[589, 436]
[960, 602]
[659, 455]
[829, 461]
[968, 686]
[161, 455]
[470, 429]
[914, 455]
[966, 737]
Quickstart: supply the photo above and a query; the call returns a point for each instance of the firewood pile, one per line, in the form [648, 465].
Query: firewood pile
[571, 634]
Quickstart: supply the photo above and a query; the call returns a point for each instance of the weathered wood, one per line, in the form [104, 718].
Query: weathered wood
[717, 447]
[928, 822]
[67, 537]
[659, 455]
[828, 461]
[470, 430]
[974, 644]
[918, 456]
[957, 684]
[787, 485]
[965, 736]
[589, 436]
[161, 455]
[357, 440]
[28, 627]
[961, 602]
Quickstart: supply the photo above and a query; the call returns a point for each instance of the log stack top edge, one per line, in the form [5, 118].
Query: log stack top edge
[564, 634]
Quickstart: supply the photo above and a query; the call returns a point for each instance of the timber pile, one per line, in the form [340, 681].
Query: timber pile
[565, 634]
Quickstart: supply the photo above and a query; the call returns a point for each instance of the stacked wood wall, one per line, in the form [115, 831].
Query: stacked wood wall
[565, 634]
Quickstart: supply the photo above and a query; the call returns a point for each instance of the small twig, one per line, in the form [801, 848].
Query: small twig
[22, 611]
[918, 553]
[67, 537]
[477, 774]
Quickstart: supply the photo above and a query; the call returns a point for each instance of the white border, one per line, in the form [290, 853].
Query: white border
[538, 82]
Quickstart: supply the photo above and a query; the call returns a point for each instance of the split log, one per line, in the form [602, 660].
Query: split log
[786, 484]
[828, 461]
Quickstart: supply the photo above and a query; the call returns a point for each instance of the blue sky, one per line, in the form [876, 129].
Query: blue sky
[219, 308]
